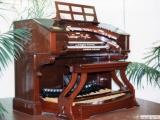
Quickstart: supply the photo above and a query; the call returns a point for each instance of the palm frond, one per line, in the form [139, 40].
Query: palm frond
[2, 8]
[40, 8]
[9, 46]
[3, 111]
[151, 68]
[158, 41]
[36, 9]
[154, 57]
[135, 71]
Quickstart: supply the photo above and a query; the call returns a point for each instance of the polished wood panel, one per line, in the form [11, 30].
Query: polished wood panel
[146, 108]
[48, 58]
[113, 73]
[65, 103]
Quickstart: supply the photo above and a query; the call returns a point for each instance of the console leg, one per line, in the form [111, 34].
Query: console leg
[64, 103]
[131, 88]
[113, 74]
[62, 100]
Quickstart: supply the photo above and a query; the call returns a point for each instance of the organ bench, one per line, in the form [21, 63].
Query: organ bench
[94, 103]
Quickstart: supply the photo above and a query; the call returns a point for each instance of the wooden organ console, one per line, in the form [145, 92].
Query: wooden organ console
[68, 66]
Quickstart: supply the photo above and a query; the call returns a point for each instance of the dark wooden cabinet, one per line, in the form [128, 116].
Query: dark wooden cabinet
[82, 49]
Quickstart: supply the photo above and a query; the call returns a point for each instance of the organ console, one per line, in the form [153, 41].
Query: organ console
[68, 65]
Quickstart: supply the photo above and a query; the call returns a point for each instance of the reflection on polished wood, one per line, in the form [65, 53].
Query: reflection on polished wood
[88, 107]
[146, 108]
[87, 51]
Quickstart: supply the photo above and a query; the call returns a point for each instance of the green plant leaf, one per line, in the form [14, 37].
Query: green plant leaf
[10, 46]
[135, 71]
[3, 111]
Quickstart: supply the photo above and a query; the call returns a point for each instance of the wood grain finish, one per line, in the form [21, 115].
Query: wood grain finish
[113, 73]
[45, 62]
[26, 106]
[147, 108]
[129, 85]
[65, 103]
[27, 72]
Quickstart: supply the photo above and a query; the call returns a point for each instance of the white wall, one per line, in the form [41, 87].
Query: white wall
[141, 19]
[142, 22]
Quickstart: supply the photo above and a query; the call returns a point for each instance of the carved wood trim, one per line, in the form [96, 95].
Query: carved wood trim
[113, 74]
[64, 103]
[129, 85]
[40, 61]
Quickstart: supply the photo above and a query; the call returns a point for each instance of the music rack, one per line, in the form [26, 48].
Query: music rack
[72, 13]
